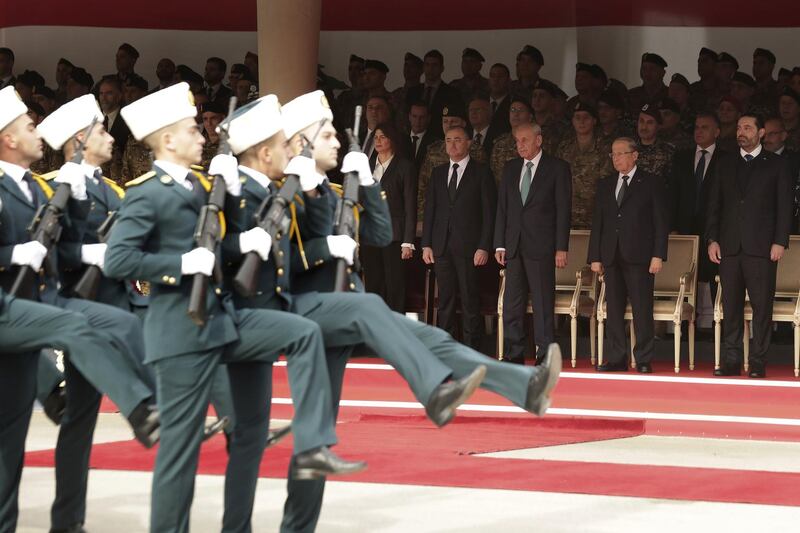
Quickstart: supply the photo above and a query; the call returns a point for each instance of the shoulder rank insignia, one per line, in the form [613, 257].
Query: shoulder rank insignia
[197, 167]
[114, 187]
[50, 175]
[141, 179]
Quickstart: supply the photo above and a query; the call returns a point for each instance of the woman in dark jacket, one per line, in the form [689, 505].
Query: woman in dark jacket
[384, 272]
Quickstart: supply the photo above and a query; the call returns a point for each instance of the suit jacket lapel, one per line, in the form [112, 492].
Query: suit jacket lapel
[97, 192]
[633, 185]
[536, 179]
[177, 189]
[11, 186]
[464, 177]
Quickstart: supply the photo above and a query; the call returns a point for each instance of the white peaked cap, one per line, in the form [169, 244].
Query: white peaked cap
[11, 107]
[304, 111]
[74, 116]
[254, 123]
[158, 110]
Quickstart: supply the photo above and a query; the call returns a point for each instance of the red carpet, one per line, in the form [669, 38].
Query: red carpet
[408, 450]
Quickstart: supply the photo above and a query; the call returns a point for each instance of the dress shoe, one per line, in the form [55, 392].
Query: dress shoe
[56, 404]
[215, 427]
[145, 423]
[441, 407]
[727, 370]
[321, 462]
[622, 366]
[757, 371]
[75, 528]
[644, 368]
[543, 381]
[274, 437]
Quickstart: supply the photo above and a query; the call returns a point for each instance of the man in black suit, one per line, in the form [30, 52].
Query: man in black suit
[499, 101]
[775, 141]
[420, 136]
[110, 95]
[6, 68]
[213, 77]
[531, 229]
[747, 231]
[457, 232]
[628, 244]
[690, 186]
[434, 92]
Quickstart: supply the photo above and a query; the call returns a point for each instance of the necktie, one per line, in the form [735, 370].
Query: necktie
[34, 198]
[197, 187]
[428, 94]
[525, 188]
[478, 139]
[494, 107]
[748, 157]
[415, 141]
[369, 143]
[453, 185]
[105, 122]
[698, 176]
[622, 190]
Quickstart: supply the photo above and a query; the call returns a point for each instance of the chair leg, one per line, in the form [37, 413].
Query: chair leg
[573, 327]
[677, 347]
[746, 341]
[600, 331]
[797, 350]
[717, 343]
[633, 343]
[691, 345]
[593, 338]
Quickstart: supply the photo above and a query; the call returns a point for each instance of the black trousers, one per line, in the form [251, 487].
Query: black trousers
[385, 274]
[536, 278]
[634, 282]
[458, 276]
[756, 275]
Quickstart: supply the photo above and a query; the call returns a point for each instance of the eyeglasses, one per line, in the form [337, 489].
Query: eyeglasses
[518, 109]
[619, 154]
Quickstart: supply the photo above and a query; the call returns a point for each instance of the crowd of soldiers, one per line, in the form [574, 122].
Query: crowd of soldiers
[165, 323]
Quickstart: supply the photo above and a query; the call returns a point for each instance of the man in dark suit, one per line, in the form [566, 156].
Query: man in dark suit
[6, 68]
[110, 95]
[499, 100]
[775, 141]
[213, 77]
[747, 231]
[628, 245]
[434, 92]
[457, 232]
[531, 229]
[421, 135]
[692, 172]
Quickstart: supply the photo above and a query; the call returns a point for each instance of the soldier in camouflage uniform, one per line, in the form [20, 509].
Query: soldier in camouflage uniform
[587, 155]
[789, 110]
[212, 114]
[670, 131]
[347, 100]
[652, 90]
[611, 116]
[137, 160]
[529, 62]
[544, 97]
[678, 91]
[655, 156]
[728, 111]
[505, 148]
[50, 160]
[412, 71]
[743, 88]
[472, 83]
[452, 116]
[702, 91]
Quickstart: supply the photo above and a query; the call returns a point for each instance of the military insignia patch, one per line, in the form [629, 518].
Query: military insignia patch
[645, 107]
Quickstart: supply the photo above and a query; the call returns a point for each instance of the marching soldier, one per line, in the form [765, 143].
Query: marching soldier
[452, 116]
[527, 387]
[153, 240]
[112, 369]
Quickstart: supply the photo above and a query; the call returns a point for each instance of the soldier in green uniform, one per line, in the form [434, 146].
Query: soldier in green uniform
[529, 62]
[703, 91]
[670, 131]
[789, 110]
[153, 240]
[655, 156]
[554, 129]
[611, 117]
[766, 87]
[113, 368]
[587, 155]
[679, 91]
[505, 148]
[743, 88]
[472, 83]
[652, 90]
[527, 387]
[453, 115]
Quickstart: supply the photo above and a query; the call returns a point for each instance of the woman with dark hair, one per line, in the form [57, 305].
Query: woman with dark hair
[384, 273]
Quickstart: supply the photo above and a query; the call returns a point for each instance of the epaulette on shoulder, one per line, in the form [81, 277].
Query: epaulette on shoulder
[141, 179]
[114, 187]
[49, 176]
[198, 168]
[336, 188]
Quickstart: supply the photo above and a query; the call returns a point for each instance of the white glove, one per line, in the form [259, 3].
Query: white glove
[93, 254]
[73, 175]
[342, 246]
[228, 167]
[358, 162]
[198, 261]
[31, 253]
[256, 240]
[306, 169]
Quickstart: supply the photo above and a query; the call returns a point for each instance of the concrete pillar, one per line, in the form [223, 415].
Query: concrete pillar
[288, 46]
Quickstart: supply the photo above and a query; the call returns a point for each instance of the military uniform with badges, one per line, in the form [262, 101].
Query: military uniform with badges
[588, 166]
[137, 160]
[656, 158]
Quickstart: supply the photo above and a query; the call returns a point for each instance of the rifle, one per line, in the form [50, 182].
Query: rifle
[87, 286]
[344, 218]
[45, 227]
[208, 232]
[271, 217]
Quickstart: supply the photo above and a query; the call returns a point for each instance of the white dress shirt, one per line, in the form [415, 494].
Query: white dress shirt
[112, 118]
[380, 168]
[754, 153]
[261, 178]
[177, 172]
[709, 155]
[459, 171]
[482, 134]
[17, 173]
[89, 172]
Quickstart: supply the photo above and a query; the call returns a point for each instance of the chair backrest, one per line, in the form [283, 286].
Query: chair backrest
[681, 258]
[576, 260]
[788, 281]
